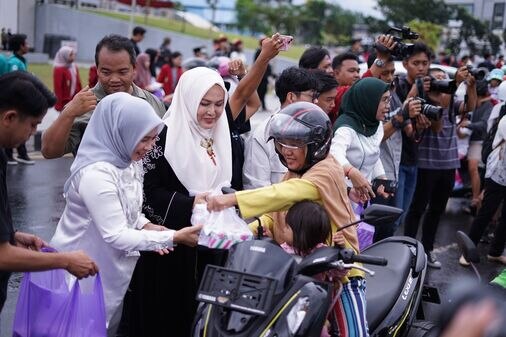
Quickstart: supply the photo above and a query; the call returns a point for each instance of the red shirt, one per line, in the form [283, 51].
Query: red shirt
[165, 77]
[62, 81]
[92, 76]
[334, 113]
[341, 90]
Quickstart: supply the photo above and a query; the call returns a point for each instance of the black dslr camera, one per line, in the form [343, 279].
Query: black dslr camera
[401, 50]
[478, 73]
[430, 111]
[444, 86]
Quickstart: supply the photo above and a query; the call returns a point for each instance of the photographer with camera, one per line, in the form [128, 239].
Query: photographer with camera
[438, 155]
[416, 61]
[381, 65]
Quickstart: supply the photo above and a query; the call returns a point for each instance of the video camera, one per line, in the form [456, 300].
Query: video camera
[401, 50]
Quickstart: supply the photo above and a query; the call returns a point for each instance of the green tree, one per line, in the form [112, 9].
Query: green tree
[495, 43]
[311, 21]
[339, 23]
[402, 11]
[471, 30]
[429, 32]
[247, 17]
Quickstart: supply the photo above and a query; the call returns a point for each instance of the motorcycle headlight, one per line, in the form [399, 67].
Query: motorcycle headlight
[297, 314]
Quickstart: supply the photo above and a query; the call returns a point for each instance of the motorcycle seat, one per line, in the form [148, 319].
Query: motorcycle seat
[385, 287]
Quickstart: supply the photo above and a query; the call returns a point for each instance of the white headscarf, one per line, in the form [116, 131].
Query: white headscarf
[189, 160]
[117, 125]
[61, 59]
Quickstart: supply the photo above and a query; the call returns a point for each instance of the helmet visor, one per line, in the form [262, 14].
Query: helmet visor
[288, 130]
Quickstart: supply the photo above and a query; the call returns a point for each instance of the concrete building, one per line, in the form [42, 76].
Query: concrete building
[19, 17]
[491, 11]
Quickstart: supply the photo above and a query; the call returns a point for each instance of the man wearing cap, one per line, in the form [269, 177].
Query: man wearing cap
[220, 46]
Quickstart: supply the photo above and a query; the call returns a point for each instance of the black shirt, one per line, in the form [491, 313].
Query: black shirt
[136, 48]
[409, 154]
[6, 229]
[237, 127]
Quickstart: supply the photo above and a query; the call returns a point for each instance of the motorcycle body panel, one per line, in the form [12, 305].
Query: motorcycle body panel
[394, 293]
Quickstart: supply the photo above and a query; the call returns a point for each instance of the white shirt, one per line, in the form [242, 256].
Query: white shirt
[262, 166]
[496, 162]
[103, 218]
[493, 115]
[363, 153]
[238, 55]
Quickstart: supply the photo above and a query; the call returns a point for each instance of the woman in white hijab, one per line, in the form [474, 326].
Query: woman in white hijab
[104, 196]
[192, 157]
[66, 79]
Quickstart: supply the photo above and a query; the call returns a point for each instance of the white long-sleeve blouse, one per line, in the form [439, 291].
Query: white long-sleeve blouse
[363, 153]
[103, 218]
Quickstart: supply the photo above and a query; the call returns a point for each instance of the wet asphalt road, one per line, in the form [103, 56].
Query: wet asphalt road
[35, 194]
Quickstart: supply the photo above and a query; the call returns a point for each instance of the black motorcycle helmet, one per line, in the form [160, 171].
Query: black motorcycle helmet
[303, 123]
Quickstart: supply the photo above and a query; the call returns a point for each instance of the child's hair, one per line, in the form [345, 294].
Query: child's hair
[310, 225]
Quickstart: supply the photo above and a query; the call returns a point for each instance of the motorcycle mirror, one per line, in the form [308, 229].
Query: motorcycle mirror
[468, 247]
[377, 215]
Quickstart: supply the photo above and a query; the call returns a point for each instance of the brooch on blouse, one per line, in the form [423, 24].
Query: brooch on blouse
[207, 143]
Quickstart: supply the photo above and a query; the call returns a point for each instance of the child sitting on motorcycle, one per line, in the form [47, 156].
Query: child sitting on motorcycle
[309, 227]
[302, 135]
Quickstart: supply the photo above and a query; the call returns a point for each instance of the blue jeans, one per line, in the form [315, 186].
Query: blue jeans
[405, 190]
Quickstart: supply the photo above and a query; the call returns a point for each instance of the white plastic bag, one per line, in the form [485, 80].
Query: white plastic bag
[220, 229]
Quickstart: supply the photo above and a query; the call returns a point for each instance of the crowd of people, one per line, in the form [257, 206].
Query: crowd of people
[153, 135]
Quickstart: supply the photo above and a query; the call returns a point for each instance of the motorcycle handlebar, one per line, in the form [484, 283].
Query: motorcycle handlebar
[367, 259]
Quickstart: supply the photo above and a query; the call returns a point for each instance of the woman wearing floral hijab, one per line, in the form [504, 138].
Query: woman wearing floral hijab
[358, 134]
[191, 157]
[104, 197]
[66, 79]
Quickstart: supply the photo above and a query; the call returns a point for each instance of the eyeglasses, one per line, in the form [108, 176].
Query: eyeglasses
[293, 147]
[386, 99]
[313, 94]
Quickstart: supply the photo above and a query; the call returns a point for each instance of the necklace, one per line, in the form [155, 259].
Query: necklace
[207, 143]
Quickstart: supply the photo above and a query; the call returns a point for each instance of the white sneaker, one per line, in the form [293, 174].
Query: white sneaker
[25, 160]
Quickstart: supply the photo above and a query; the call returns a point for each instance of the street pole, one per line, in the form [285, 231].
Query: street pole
[212, 4]
[131, 23]
[147, 8]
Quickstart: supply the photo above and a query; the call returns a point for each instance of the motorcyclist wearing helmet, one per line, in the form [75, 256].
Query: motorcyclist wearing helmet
[261, 164]
[302, 134]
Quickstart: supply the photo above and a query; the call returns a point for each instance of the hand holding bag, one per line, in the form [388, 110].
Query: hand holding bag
[220, 229]
[48, 308]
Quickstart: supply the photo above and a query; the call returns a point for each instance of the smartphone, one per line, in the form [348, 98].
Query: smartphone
[287, 42]
[389, 185]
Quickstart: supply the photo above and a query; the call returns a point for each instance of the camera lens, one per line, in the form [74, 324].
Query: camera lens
[444, 86]
[432, 112]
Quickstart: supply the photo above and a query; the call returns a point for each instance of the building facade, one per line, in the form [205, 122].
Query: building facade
[490, 11]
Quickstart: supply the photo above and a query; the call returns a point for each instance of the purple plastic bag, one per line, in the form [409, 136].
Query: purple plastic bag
[47, 308]
[365, 232]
